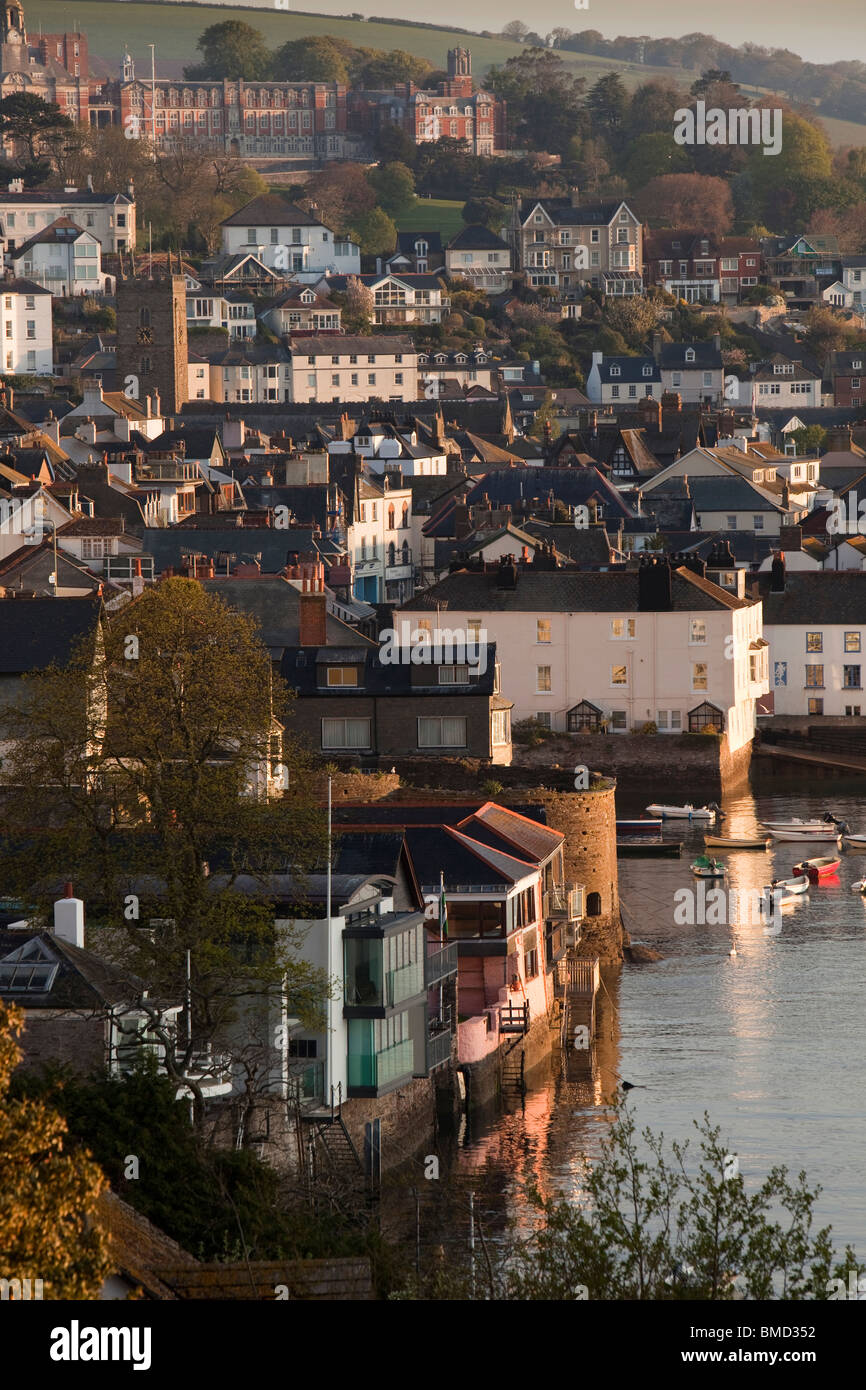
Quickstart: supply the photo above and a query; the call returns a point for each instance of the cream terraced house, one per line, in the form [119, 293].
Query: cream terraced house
[584, 650]
[109, 216]
[816, 628]
[567, 244]
[349, 368]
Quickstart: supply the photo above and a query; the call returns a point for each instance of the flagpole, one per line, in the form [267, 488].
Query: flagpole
[441, 938]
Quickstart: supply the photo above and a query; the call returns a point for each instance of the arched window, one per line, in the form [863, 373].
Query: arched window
[144, 318]
[405, 552]
[593, 904]
[144, 367]
[405, 521]
[391, 516]
[392, 554]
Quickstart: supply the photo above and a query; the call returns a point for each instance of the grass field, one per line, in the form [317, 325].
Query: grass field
[175, 29]
[433, 215]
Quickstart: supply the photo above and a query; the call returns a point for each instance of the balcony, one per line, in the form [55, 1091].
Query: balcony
[439, 1048]
[375, 1069]
[438, 965]
[565, 900]
[370, 986]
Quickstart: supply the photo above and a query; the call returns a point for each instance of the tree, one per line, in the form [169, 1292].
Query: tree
[658, 1227]
[635, 318]
[360, 301]
[374, 68]
[809, 440]
[394, 187]
[785, 185]
[231, 50]
[26, 120]
[515, 30]
[688, 200]
[340, 194]
[48, 1191]
[545, 423]
[608, 102]
[374, 232]
[485, 212]
[543, 98]
[652, 156]
[152, 749]
[319, 58]
[826, 332]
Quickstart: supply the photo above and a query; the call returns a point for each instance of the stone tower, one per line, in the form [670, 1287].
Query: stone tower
[13, 42]
[459, 63]
[127, 67]
[152, 339]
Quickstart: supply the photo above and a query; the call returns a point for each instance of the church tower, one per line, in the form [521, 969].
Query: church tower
[127, 67]
[13, 43]
[459, 63]
[152, 339]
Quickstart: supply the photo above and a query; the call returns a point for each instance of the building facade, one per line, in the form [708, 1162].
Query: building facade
[152, 339]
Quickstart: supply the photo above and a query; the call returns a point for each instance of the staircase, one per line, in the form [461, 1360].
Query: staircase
[341, 1155]
[512, 1066]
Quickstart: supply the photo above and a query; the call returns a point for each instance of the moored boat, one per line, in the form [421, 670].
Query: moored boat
[825, 822]
[813, 837]
[789, 886]
[687, 812]
[707, 867]
[854, 841]
[732, 842]
[817, 869]
[643, 825]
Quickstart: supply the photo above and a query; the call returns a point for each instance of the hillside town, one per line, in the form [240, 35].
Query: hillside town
[390, 507]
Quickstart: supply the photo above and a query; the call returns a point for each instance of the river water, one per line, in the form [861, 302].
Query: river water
[769, 1041]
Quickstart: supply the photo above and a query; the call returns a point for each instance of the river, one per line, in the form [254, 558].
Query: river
[769, 1040]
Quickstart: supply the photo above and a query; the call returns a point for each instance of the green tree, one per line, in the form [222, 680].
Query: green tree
[544, 98]
[153, 749]
[608, 101]
[545, 420]
[485, 212]
[809, 440]
[48, 1190]
[375, 232]
[633, 318]
[231, 50]
[786, 184]
[375, 68]
[394, 187]
[28, 121]
[652, 156]
[658, 1227]
[316, 59]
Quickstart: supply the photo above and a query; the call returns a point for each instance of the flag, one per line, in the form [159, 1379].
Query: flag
[443, 909]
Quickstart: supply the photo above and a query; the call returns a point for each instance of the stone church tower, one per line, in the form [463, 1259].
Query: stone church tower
[152, 339]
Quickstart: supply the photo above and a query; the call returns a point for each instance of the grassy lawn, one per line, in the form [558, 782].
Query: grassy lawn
[433, 215]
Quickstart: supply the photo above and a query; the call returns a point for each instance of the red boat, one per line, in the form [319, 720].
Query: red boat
[818, 869]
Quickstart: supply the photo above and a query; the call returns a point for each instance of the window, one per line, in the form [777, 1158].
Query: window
[619, 675]
[453, 675]
[699, 675]
[851, 677]
[697, 630]
[814, 706]
[543, 718]
[542, 630]
[814, 641]
[500, 727]
[618, 721]
[852, 641]
[341, 675]
[473, 628]
[669, 720]
[815, 677]
[371, 378]
[732, 523]
[622, 627]
[447, 732]
[530, 955]
[594, 235]
[346, 733]
[542, 679]
[852, 710]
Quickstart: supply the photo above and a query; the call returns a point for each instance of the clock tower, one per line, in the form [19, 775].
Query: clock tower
[152, 339]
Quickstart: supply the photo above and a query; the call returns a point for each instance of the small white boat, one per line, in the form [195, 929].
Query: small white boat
[789, 885]
[826, 822]
[687, 812]
[859, 886]
[816, 837]
[855, 841]
[731, 842]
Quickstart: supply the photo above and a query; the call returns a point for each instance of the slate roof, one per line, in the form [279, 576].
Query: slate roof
[273, 602]
[477, 238]
[718, 494]
[563, 591]
[672, 357]
[828, 597]
[574, 486]
[561, 212]
[83, 980]
[588, 547]
[270, 210]
[406, 242]
[347, 345]
[41, 196]
[34, 632]
[168, 546]
[298, 669]
[628, 370]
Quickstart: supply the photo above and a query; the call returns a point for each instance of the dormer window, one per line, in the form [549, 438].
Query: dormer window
[855, 366]
[690, 354]
[676, 246]
[615, 371]
[647, 371]
[420, 248]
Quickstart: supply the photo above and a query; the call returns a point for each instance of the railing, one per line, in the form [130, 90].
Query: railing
[579, 976]
[403, 983]
[564, 900]
[514, 1018]
[439, 1048]
[438, 965]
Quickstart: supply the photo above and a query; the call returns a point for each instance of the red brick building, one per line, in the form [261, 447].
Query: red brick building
[453, 110]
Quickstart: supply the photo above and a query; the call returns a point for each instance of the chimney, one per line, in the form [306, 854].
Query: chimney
[717, 342]
[69, 918]
[657, 346]
[312, 608]
[777, 574]
[791, 537]
[654, 591]
[574, 194]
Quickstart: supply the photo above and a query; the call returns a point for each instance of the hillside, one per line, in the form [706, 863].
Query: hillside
[175, 28]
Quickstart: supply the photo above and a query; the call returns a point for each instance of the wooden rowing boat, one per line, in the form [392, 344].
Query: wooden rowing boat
[817, 869]
[731, 842]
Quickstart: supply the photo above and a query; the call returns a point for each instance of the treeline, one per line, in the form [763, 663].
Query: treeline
[839, 89]
[234, 50]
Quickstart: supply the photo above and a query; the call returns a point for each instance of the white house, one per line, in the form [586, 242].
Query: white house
[854, 280]
[354, 369]
[382, 443]
[109, 216]
[732, 488]
[479, 255]
[380, 540]
[25, 333]
[623, 380]
[64, 259]
[815, 622]
[233, 310]
[623, 648]
[781, 383]
[288, 239]
[400, 299]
